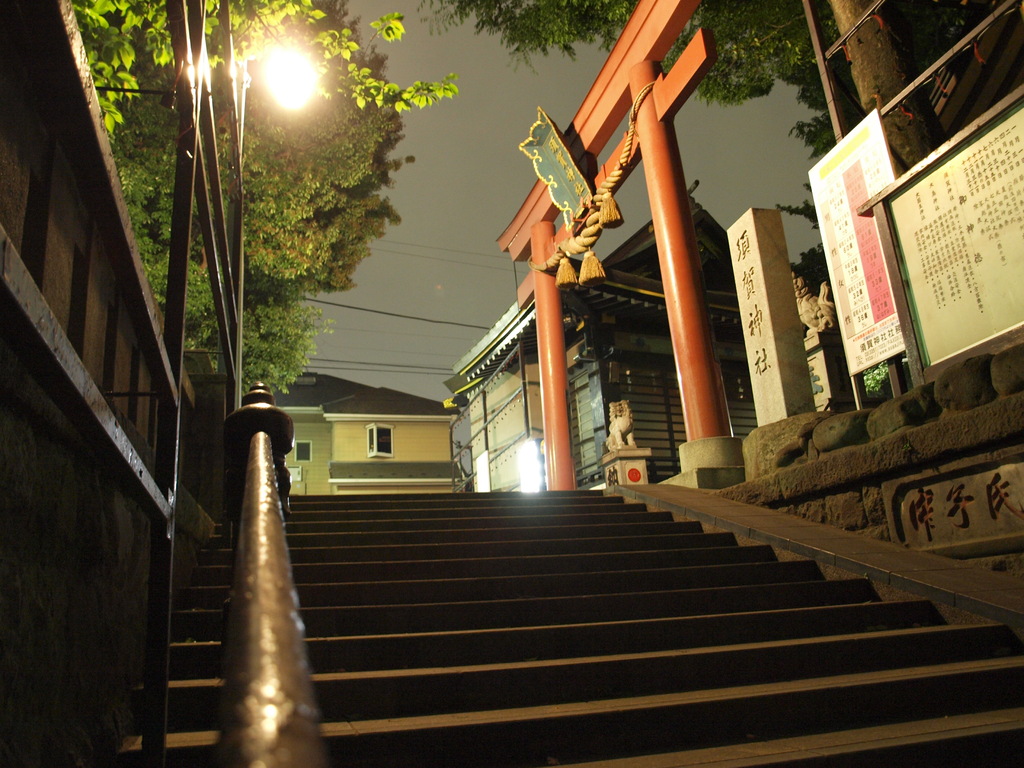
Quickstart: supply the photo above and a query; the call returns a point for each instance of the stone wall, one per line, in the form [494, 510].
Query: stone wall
[831, 467]
[74, 547]
[73, 571]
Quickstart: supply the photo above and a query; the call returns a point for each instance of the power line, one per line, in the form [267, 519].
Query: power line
[440, 248]
[434, 373]
[395, 314]
[378, 331]
[419, 352]
[439, 258]
[383, 365]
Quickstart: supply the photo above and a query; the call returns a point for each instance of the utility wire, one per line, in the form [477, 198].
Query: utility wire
[439, 258]
[395, 314]
[419, 352]
[433, 372]
[383, 365]
[337, 329]
[440, 248]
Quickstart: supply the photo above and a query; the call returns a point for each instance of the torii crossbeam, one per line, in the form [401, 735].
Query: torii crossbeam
[632, 65]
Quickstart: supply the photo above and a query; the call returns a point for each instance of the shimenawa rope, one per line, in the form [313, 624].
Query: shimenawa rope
[602, 213]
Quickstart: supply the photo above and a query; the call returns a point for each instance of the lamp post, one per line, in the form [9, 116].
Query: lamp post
[291, 80]
[240, 85]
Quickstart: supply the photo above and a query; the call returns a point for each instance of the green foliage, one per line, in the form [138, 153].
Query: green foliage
[876, 380]
[117, 32]
[759, 43]
[528, 27]
[313, 180]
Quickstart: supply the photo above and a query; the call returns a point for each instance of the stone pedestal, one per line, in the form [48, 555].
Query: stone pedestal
[626, 466]
[830, 377]
[713, 462]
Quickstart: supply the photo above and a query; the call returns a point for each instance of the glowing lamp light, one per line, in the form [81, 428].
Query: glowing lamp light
[290, 78]
[531, 467]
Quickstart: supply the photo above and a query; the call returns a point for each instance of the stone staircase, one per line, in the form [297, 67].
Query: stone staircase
[575, 628]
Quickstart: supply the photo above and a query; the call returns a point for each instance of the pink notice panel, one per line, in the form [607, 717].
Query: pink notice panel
[853, 172]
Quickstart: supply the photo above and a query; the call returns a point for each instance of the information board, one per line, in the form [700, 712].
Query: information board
[852, 173]
[960, 229]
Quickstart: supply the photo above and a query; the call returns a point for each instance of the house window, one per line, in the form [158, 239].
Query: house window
[303, 450]
[378, 440]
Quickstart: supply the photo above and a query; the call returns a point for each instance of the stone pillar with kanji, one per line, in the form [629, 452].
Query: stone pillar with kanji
[772, 331]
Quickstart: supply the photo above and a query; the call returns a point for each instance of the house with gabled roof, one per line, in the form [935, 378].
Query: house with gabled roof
[352, 438]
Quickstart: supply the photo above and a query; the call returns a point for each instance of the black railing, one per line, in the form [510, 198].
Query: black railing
[269, 714]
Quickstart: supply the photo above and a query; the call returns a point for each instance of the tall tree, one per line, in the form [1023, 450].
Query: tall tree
[314, 180]
[758, 44]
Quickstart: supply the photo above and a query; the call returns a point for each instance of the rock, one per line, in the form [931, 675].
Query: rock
[874, 506]
[841, 430]
[846, 511]
[915, 407]
[792, 452]
[966, 385]
[1007, 371]
[813, 510]
[762, 445]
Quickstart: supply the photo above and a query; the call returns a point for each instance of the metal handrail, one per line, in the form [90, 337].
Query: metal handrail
[269, 714]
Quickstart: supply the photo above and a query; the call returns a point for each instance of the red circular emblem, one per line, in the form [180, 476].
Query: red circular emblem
[634, 475]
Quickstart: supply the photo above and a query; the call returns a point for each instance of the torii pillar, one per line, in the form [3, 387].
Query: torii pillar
[711, 457]
[554, 377]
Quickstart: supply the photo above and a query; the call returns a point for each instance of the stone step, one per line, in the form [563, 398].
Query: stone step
[403, 522]
[476, 549]
[491, 534]
[392, 570]
[512, 587]
[618, 728]
[488, 535]
[576, 609]
[463, 501]
[428, 515]
[439, 690]
[488, 646]
[990, 738]
[490, 630]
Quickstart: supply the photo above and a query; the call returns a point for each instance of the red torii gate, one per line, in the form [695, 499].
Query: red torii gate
[632, 65]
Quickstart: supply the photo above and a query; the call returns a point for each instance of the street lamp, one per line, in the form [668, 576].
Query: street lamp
[290, 77]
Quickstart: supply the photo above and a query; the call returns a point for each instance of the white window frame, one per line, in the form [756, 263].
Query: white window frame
[373, 431]
[301, 442]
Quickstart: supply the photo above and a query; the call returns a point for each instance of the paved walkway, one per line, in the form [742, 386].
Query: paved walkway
[996, 596]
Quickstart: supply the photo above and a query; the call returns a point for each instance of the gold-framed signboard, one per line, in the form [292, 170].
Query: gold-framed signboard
[959, 227]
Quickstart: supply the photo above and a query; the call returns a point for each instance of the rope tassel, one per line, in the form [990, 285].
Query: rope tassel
[591, 271]
[611, 216]
[566, 276]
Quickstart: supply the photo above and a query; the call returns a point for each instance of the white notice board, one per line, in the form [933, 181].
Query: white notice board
[960, 229]
[854, 171]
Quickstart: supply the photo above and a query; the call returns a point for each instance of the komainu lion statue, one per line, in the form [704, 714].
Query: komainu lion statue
[620, 426]
[816, 312]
